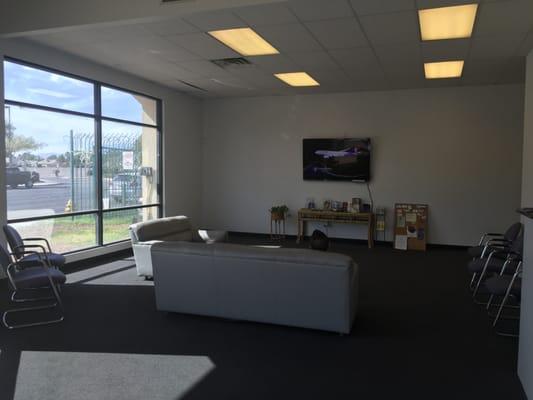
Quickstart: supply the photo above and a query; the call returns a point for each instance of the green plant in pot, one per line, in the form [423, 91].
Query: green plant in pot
[279, 212]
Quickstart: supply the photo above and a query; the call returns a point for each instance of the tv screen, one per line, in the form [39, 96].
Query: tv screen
[336, 159]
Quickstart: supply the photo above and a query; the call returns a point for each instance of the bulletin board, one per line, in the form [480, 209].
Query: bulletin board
[410, 226]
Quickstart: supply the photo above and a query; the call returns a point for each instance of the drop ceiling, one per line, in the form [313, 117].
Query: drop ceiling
[346, 45]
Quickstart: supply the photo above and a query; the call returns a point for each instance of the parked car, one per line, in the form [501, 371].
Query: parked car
[16, 177]
[126, 188]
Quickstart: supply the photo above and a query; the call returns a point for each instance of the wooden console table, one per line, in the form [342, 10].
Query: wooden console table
[340, 217]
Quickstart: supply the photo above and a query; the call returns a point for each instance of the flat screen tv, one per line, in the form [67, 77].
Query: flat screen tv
[336, 159]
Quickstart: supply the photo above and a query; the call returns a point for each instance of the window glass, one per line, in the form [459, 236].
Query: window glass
[65, 233]
[116, 223]
[49, 163]
[129, 165]
[128, 106]
[36, 86]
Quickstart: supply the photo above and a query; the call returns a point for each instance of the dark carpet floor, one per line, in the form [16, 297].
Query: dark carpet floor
[418, 335]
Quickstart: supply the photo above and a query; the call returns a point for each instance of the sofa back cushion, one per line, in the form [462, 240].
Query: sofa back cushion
[168, 229]
[281, 255]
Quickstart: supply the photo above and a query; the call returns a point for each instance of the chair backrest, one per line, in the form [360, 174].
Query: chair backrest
[14, 240]
[518, 244]
[513, 231]
[5, 259]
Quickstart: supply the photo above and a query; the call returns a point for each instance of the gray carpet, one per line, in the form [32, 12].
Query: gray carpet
[96, 376]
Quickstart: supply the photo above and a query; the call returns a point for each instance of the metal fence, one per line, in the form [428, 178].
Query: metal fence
[121, 180]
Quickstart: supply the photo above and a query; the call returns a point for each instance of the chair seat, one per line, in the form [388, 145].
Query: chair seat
[477, 251]
[498, 285]
[57, 260]
[35, 277]
[495, 265]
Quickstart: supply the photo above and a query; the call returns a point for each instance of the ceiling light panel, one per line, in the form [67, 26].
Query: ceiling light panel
[244, 41]
[297, 79]
[447, 22]
[444, 69]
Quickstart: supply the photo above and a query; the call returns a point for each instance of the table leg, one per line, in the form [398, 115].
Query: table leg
[371, 231]
[299, 235]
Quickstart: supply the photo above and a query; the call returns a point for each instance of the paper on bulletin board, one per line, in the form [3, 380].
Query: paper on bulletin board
[400, 242]
[410, 218]
[411, 231]
[400, 221]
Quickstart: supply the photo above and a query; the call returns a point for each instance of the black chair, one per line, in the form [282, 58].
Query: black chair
[507, 287]
[495, 240]
[501, 261]
[319, 241]
[19, 247]
[37, 277]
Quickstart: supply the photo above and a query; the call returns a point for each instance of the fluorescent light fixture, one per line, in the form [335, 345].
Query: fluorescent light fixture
[298, 79]
[244, 41]
[447, 22]
[444, 69]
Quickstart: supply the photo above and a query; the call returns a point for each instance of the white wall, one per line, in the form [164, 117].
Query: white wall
[181, 122]
[525, 358]
[457, 149]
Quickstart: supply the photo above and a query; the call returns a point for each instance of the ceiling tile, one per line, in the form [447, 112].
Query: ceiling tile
[204, 68]
[203, 45]
[175, 54]
[338, 33]
[367, 7]
[257, 78]
[514, 71]
[315, 10]
[358, 61]
[401, 61]
[391, 28]
[441, 50]
[492, 46]
[210, 21]
[266, 14]
[482, 72]
[275, 63]
[314, 60]
[289, 38]
[170, 27]
[504, 17]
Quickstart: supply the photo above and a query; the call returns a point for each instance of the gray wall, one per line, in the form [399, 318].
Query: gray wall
[456, 149]
[181, 119]
[525, 358]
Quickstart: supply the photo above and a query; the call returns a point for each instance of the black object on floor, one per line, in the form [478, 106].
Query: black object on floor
[319, 241]
[417, 335]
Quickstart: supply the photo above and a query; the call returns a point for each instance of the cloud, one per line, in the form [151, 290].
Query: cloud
[51, 93]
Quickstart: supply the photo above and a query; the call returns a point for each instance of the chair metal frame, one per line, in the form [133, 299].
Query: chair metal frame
[11, 272]
[508, 294]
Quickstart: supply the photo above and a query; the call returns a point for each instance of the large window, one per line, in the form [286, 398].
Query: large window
[82, 158]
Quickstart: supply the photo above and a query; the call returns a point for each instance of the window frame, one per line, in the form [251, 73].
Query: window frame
[98, 118]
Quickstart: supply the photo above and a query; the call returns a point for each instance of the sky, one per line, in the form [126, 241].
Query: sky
[51, 129]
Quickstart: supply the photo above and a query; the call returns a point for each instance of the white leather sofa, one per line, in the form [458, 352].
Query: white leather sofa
[295, 287]
[145, 234]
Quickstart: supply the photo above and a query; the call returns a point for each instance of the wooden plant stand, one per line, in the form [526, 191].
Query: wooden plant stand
[277, 226]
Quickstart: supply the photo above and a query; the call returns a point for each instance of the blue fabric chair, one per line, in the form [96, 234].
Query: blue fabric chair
[18, 247]
[39, 276]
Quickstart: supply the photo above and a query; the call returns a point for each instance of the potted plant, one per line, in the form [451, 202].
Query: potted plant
[278, 212]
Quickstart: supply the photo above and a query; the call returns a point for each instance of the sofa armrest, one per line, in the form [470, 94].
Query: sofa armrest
[143, 257]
